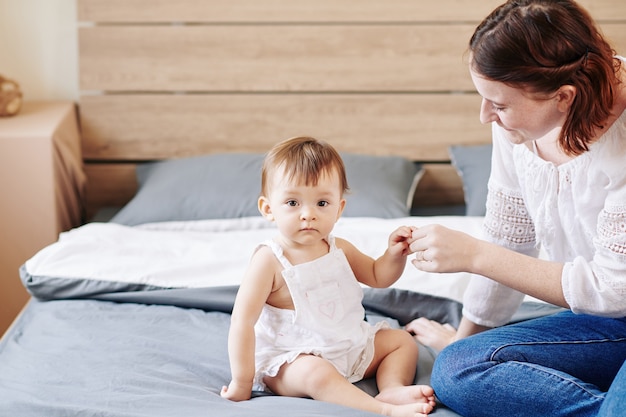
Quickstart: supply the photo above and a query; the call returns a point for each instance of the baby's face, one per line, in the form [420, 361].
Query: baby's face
[305, 213]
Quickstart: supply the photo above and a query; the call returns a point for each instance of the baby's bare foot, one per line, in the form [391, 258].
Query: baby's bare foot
[408, 395]
[407, 410]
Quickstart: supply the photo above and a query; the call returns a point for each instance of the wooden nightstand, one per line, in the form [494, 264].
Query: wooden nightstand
[41, 189]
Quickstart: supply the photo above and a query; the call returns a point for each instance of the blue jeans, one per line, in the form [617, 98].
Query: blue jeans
[559, 365]
[615, 402]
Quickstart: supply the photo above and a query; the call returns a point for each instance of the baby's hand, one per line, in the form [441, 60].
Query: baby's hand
[236, 392]
[400, 239]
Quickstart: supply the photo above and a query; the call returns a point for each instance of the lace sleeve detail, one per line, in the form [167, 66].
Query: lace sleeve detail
[612, 231]
[507, 221]
[508, 224]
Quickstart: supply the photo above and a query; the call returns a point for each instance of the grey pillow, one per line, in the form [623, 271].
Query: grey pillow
[227, 185]
[473, 164]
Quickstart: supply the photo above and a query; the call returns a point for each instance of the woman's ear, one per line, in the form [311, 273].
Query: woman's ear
[265, 209]
[565, 97]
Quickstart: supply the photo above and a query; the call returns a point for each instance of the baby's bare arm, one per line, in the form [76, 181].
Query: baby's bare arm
[253, 292]
[385, 270]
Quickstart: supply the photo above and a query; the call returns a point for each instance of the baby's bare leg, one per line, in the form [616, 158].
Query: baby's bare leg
[394, 364]
[312, 376]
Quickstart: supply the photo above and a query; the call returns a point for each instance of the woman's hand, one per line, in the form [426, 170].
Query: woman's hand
[431, 333]
[439, 249]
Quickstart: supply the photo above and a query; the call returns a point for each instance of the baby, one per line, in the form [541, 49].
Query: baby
[298, 325]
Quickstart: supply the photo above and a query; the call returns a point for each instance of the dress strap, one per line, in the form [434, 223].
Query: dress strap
[278, 252]
[331, 243]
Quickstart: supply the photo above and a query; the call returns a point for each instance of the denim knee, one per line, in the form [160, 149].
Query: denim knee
[454, 361]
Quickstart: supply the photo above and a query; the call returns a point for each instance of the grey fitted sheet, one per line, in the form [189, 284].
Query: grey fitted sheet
[162, 353]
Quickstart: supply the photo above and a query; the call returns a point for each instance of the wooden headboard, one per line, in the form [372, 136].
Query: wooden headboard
[166, 79]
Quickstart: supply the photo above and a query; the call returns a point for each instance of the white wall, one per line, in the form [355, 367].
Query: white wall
[39, 49]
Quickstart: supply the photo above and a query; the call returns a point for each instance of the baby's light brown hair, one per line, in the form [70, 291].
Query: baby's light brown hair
[303, 159]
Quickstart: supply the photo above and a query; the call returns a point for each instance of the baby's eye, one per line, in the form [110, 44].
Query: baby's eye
[323, 203]
[292, 203]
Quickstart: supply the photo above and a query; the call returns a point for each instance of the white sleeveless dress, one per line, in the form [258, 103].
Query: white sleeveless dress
[328, 319]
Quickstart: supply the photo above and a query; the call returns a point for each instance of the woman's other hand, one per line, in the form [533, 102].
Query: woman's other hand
[431, 333]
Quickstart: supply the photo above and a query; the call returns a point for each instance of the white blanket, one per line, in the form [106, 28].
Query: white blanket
[194, 254]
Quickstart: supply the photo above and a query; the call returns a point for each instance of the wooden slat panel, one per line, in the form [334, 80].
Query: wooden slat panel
[108, 185]
[309, 10]
[440, 186]
[616, 34]
[267, 58]
[282, 11]
[606, 10]
[140, 127]
[353, 72]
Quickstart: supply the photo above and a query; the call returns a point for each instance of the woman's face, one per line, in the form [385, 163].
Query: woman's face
[524, 116]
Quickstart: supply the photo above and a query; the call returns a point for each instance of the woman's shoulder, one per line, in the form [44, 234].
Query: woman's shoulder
[616, 125]
[612, 144]
[606, 159]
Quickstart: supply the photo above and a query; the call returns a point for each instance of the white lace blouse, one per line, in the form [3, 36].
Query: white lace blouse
[575, 211]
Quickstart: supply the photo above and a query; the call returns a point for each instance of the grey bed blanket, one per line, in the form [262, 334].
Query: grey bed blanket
[162, 353]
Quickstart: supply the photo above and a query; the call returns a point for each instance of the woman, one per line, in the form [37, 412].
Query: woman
[553, 90]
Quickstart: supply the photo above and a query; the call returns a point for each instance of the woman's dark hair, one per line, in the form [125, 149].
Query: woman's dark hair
[541, 45]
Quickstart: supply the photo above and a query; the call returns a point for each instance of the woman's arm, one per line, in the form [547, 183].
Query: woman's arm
[439, 249]
[446, 250]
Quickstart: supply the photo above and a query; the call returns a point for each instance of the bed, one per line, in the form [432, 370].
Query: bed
[129, 312]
